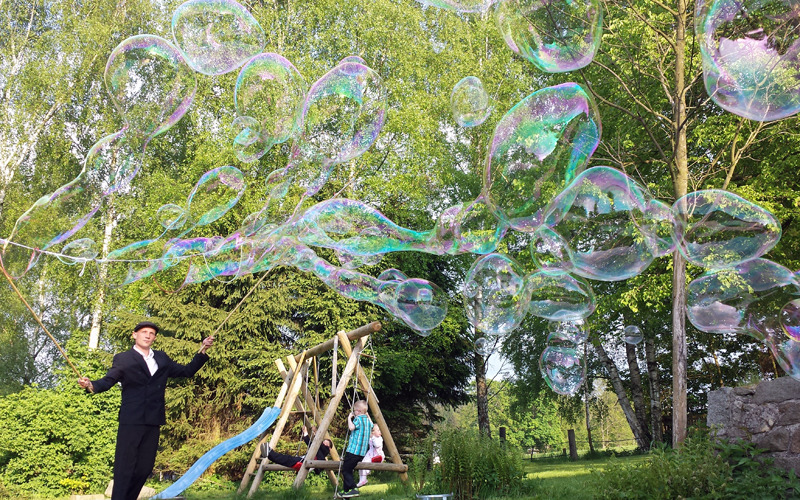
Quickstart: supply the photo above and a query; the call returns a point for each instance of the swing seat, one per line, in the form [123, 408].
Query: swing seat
[334, 465]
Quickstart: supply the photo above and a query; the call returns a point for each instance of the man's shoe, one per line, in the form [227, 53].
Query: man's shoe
[265, 450]
[350, 494]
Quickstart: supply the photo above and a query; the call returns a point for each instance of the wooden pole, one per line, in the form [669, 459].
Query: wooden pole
[372, 402]
[356, 334]
[36, 317]
[330, 412]
[315, 414]
[251, 466]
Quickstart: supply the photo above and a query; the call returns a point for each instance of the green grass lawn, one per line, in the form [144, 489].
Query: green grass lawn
[547, 478]
[570, 480]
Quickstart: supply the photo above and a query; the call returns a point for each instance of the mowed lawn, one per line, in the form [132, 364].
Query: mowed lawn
[570, 480]
[553, 479]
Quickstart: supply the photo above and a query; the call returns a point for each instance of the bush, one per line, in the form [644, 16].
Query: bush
[699, 469]
[56, 441]
[475, 466]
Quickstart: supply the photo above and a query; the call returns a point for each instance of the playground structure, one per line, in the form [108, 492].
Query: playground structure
[295, 396]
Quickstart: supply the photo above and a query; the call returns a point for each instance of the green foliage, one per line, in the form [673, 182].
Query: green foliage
[473, 465]
[56, 441]
[699, 469]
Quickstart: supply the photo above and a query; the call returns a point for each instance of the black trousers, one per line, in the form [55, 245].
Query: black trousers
[283, 459]
[134, 459]
[348, 466]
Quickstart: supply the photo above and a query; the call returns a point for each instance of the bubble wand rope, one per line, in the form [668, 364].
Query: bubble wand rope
[35, 316]
[238, 304]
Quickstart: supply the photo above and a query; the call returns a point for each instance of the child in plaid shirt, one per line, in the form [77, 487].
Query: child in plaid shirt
[360, 429]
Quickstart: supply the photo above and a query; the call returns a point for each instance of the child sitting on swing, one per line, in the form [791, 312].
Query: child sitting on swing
[293, 461]
[374, 454]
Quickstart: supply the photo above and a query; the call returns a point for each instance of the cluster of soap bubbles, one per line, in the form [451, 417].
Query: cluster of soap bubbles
[582, 224]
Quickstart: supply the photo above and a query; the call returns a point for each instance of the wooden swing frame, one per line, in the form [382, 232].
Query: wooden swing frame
[295, 387]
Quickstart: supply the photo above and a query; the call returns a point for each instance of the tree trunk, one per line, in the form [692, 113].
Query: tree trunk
[482, 395]
[586, 393]
[637, 391]
[622, 397]
[680, 176]
[655, 391]
[97, 313]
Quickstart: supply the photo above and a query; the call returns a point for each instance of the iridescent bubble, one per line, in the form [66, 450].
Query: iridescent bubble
[787, 353]
[422, 305]
[271, 90]
[216, 36]
[171, 216]
[555, 35]
[560, 338]
[716, 229]
[479, 231]
[78, 251]
[600, 216]
[150, 84]
[392, 274]
[550, 251]
[469, 102]
[750, 48]
[539, 147]
[483, 346]
[495, 294]
[216, 192]
[460, 5]
[341, 224]
[631, 334]
[658, 224]
[249, 144]
[560, 297]
[562, 369]
[343, 113]
[109, 167]
[790, 319]
[746, 299]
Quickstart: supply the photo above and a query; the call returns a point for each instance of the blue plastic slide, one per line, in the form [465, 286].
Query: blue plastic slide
[195, 471]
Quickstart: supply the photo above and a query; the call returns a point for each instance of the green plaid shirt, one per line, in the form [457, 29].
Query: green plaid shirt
[359, 438]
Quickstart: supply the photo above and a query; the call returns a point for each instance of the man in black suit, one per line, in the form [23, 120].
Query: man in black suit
[143, 373]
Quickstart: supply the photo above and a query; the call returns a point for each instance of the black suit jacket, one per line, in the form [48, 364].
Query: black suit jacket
[142, 393]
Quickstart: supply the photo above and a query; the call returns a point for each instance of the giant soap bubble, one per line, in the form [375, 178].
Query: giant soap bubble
[715, 229]
[562, 368]
[343, 112]
[110, 166]
[270, 90]
[495, 294]
[539, 147]
[465, 6]
[560, 296]
[600, 216]
[751, 56]
[216, 36]
[469, 102]
[150, 84]
[555, 35]
[748, 299]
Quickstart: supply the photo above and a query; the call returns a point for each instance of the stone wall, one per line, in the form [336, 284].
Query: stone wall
[767, 414]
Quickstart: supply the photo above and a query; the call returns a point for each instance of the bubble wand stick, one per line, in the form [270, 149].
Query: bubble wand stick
[19, 294]
[237, 305]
